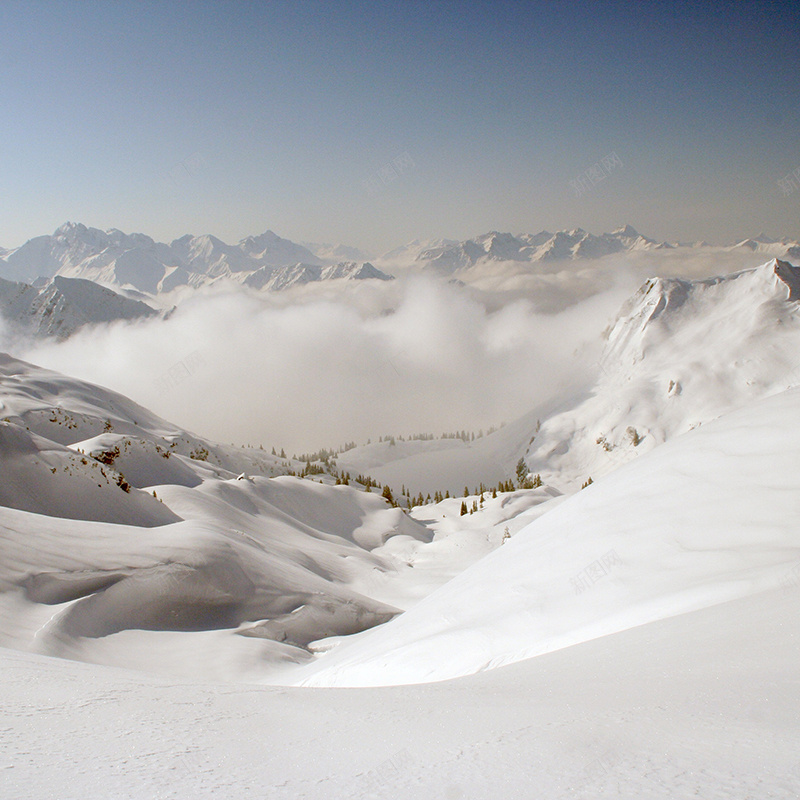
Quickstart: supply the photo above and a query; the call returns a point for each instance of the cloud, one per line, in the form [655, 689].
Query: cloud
[317, 369]
[327, 364]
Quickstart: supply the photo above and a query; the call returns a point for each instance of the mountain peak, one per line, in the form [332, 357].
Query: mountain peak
[69, 227]
[789, 274]
[626, 230]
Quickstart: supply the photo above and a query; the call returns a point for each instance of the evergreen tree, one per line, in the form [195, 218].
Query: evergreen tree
[522, 471]
[463, 508]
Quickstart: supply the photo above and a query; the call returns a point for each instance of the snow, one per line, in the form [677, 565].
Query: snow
[703, 705]
[701, 520]
[63, 305]
[679, 354]
[180, 618]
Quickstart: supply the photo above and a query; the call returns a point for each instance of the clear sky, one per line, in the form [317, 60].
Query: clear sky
[372, 123]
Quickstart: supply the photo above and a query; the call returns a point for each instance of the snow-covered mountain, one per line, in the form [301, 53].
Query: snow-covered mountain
[63, 305]
[409, 252]
[536, 248]
[496, 254]
[680, 354]
[336, 253]
[277, 279]
[638, 638]
[136, 261]
[289, 563]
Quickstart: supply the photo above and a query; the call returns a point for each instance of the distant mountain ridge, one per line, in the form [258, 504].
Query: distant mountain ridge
[269, 262]
[119, 260]
[544, 247]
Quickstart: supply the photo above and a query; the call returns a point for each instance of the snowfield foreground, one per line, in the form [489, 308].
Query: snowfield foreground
[700, 705]
[224, 629]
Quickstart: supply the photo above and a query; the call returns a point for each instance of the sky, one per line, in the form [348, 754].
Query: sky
[373, 123]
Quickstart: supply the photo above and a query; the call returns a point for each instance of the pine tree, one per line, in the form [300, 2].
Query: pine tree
[463, 508]
[522, 471]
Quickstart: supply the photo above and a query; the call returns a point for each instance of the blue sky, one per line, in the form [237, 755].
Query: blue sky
[374, 123]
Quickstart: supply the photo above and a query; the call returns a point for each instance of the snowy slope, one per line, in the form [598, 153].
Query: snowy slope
[42, 477]
[182, 555]
[706, 518]
[679, 354]
[69, 411]
[128, 594]
[63, 305]
[700, 705]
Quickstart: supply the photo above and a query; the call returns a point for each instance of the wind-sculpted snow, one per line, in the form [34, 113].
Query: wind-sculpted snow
[117, 527]
[66, 585]
[706, 518]
[242, 562]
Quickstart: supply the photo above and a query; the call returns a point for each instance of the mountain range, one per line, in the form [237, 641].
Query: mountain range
[135, 262]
